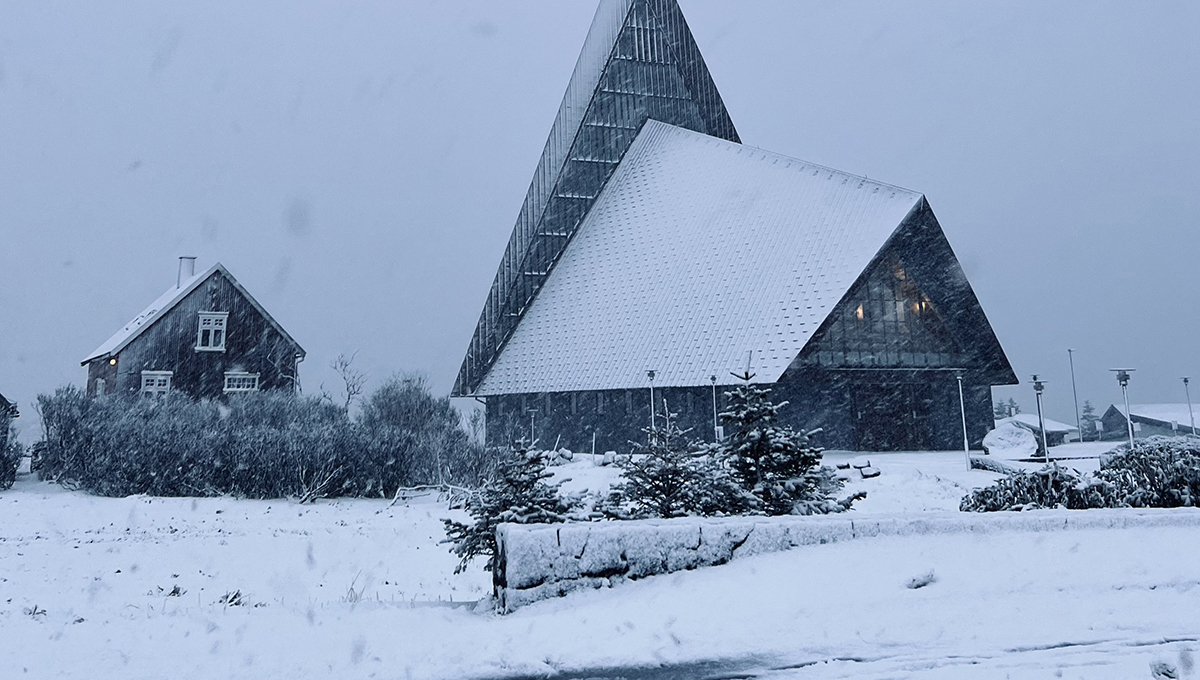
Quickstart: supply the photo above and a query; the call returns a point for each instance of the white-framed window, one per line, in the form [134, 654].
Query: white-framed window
[156, 382]
[240, 381]
[210, 337]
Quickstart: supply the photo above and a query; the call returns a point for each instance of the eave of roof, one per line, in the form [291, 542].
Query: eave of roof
[167, 301]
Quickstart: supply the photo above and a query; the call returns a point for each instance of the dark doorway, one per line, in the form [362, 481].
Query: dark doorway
[892, 416]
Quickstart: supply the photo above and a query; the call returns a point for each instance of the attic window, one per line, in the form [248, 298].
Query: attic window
[239, 381]
[156, 383]
[210, 337]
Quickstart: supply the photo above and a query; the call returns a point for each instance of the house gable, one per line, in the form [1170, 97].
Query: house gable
[911, 308]
[252, 343]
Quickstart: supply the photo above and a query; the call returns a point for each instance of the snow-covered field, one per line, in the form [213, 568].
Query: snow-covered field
[356, 588]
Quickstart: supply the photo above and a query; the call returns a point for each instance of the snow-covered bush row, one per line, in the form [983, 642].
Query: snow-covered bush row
[536, 562]
[257, 445]
[1159, 472]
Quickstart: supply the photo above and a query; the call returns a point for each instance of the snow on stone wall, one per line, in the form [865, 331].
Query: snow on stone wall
[539, 561]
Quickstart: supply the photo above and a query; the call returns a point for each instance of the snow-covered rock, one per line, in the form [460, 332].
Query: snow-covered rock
[1010, 440]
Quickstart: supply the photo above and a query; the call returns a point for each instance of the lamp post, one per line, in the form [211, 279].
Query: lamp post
[716, 435]
[1123, 379]
[1074, 393]
[1188, 392]
[650, 374]
[532, 414]
[962, 409]
[1039, 386]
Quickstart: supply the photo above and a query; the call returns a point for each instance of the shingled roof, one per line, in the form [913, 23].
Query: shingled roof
[698, 251]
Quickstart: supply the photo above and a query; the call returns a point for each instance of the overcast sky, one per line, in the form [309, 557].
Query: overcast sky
[359, 167]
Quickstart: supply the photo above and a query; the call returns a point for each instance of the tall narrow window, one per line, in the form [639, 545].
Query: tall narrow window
[211, 335]
[240, 381]
[156, 383]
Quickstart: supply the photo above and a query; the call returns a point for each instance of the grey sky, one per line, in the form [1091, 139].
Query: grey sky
[359, 166]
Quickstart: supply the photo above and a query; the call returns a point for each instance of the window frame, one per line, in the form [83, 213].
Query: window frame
[218, 323]
[160, 383]
[240, 375]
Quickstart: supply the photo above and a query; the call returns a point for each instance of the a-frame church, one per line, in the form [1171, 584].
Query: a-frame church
[654, 250]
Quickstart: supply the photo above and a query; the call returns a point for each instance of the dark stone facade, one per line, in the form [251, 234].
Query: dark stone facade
[880, 411]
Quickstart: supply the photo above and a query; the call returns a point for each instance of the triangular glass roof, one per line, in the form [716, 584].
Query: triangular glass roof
[639, 62]
[885, 321]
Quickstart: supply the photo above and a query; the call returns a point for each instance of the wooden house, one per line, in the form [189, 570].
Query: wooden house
[8, 411]
[206, 337]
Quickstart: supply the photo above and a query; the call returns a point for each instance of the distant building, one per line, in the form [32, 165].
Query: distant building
[206, 337]
[8, 411]
[651, 240]
[1056, 432]
[1147, 419]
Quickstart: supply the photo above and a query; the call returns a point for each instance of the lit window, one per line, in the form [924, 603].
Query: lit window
[156, 382]
[211, 335]
[238, 381]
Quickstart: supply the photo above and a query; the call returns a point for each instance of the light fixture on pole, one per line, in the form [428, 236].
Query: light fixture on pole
[1123, 379]
[532, 414]
[716, 432]
[962, 408]
[1074, 393]
[1188, 392]
[1039, 386]
[650, 374]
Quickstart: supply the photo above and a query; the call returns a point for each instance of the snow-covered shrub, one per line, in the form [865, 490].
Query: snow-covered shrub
[416, 438]
[10, 458]
[269, 444]
[517, 494]
[1010, 440]
[671, 476]
[1159, 472]
[1048, 487]
[777, 465]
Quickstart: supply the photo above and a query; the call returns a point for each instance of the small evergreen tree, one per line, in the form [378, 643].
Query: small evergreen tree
[517, 494]
[776, 464]
[672, 476]
[1089, 419]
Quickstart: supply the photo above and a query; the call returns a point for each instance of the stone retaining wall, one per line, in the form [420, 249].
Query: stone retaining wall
[539, 561]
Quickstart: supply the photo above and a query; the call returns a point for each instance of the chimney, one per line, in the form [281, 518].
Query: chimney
[187, 269]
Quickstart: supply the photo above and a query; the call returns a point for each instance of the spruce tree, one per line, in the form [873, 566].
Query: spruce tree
[673, 476]
[517, 494]
[779, 466]
[1089, 419]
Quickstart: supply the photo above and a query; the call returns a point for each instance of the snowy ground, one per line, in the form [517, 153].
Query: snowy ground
[357, 589]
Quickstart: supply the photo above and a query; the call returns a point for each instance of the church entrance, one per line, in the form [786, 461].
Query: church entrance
[892, 416]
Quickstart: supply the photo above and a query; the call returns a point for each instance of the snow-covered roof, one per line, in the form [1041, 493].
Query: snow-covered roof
[165, 303]
[1030, 420]
[698, 251]
[1165, 413]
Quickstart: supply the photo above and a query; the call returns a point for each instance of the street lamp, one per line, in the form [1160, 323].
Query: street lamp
[1189, 400]
[1039, 386]
[1074, 393]
[1123, 379]
[532, 414]
[650, 374]
[962, 409]
[716, 432]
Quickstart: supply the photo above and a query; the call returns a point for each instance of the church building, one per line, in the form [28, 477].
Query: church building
[655, 254]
